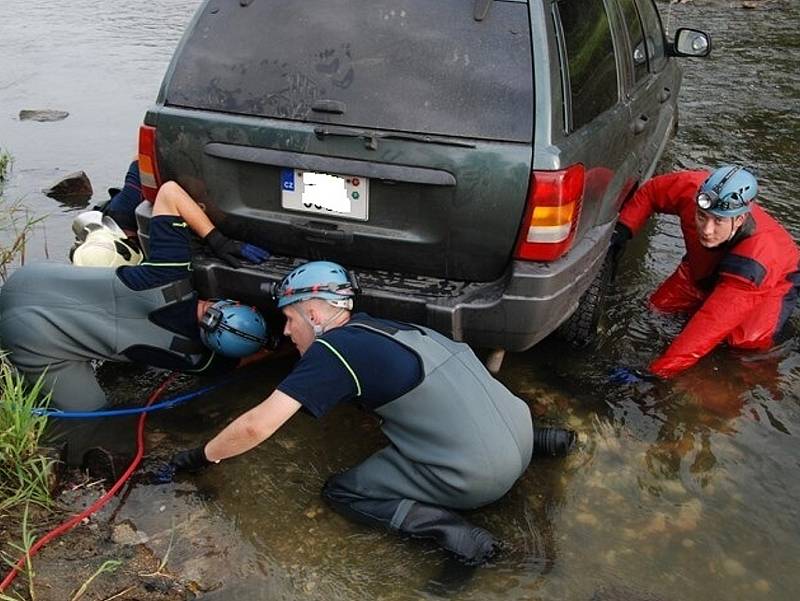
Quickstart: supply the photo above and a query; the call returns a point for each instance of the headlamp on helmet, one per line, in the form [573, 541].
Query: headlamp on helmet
[727, 192]
[233, 330]
[318, 279]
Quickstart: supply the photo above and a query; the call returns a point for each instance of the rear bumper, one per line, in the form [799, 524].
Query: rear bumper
[512, 313]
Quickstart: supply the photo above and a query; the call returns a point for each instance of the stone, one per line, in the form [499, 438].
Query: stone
[689, 515]
[125, 533]
[586, 518]
[733, 567]
[42, 116]
[74, 188]
[762, 586]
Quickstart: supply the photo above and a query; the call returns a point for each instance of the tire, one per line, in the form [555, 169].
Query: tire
[580, 329]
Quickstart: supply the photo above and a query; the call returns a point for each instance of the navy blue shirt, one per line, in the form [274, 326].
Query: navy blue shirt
[171, 260]
[170, 255]
[350, 363]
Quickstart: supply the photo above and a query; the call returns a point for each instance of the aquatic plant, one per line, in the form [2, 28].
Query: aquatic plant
[24, 471]
[16, 222]
[6, 160]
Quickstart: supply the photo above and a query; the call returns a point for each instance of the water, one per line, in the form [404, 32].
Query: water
[686, 490]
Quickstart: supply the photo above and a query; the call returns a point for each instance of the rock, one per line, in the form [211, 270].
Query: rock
[751, 4]
[586, 518]
[73, 188]
[43, 115]
[689, 515]
[762, 586]
[618, 592]
[125, 533]
[733, 567]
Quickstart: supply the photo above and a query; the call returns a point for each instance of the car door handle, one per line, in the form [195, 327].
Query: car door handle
[665, 95]
[640, 124]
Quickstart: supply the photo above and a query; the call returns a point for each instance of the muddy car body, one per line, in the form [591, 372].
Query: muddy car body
[466, 160]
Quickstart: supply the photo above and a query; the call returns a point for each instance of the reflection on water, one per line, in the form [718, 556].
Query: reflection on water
[685, 490]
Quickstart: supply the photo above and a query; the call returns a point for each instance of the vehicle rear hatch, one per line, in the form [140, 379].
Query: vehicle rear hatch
[425, 112]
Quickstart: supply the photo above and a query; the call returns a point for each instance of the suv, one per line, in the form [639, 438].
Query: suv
[466, 160]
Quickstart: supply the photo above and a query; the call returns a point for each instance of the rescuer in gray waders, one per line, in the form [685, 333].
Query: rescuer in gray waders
[459, 438]
[57, 319]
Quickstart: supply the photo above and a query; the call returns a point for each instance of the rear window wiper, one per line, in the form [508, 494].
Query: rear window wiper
[371, 138]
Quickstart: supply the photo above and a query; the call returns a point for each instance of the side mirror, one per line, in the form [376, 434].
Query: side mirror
[691, 42]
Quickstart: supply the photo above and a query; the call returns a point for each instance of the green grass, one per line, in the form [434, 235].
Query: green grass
[16, 222]
[24, 472]
[6, 160]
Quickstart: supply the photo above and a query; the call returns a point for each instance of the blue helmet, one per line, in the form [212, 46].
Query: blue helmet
[727, 192]
[317, 279]
[233, 330]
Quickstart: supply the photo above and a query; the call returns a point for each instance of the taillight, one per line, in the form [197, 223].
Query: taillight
[551, 217]
[148, 166]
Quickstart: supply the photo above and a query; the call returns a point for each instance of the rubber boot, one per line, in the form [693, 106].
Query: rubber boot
[472, 544]
[553, 442]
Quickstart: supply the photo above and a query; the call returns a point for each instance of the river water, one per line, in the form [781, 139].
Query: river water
[687, 490]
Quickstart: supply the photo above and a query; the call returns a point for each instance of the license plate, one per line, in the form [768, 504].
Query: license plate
[325, 193]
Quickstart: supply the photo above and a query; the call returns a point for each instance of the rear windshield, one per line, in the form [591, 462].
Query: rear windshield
[406, 65]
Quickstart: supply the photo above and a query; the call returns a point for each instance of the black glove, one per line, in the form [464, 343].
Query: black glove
[231, 251]
[622, 233]
[192, 460]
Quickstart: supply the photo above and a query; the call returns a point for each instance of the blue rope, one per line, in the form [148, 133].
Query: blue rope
[167, 404]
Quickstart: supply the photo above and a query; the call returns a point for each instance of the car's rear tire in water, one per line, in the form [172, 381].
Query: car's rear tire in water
[580, 329]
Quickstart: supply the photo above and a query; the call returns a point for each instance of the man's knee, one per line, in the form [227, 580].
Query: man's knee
[333, 492]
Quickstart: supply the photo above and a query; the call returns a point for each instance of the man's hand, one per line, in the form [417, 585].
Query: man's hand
[231, 251]
[622, 233]
[192, 460]
[626, 375]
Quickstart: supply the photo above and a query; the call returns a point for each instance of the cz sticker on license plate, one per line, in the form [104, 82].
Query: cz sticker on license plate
[344, 196]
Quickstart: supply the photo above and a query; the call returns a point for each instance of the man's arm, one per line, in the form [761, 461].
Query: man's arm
[174, 200]
[661, 194]
[726, 307]
[253, 427]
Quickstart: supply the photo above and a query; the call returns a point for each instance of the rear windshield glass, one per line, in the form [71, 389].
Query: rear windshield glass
[406, 65]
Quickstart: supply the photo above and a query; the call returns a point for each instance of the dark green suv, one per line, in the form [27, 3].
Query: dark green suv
[466, 159]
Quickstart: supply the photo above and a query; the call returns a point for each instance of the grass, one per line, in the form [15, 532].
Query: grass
[24, 472]
[27, 542]
[16, 222]
[6, 160]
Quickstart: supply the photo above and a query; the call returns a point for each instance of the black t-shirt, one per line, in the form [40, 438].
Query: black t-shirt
[350, 363]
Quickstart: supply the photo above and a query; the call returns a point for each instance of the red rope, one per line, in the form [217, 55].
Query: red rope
[70, 523]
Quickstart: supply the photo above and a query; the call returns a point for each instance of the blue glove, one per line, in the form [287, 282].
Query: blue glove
[231, 251]
[253, 253]
[626, 375]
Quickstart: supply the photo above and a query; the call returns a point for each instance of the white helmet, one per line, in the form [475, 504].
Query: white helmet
[105, 248]
[89, 221]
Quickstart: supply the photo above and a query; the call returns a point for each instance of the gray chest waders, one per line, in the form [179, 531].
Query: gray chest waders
[459, 440]
[55, 319]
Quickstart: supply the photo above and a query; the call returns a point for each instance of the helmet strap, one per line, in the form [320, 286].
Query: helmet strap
[319, 328]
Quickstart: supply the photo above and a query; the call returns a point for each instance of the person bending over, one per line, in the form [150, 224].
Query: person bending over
[458, 438]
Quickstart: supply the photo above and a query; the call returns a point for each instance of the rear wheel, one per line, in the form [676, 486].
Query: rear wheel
[580, 329]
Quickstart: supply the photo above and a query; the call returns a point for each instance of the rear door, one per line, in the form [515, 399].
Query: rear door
[651, 87]
[596, 116]
[422, 114]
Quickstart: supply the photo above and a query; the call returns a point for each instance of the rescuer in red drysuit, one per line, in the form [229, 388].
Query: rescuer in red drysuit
[740, 277]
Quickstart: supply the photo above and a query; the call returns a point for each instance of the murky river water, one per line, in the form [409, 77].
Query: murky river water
[688, 490]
